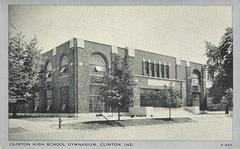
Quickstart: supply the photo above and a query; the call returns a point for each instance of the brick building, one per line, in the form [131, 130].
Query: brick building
[74, 68]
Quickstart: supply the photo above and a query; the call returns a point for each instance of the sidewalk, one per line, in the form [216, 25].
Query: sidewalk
[204, 127]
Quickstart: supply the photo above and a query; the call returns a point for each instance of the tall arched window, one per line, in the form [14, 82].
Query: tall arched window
[63, 63]
[97, 63]
[64, 60]
[196, 89]
[48, 76]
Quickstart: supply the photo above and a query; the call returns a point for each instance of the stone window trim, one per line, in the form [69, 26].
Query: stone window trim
[96, 75]
[63, 76]
[95, 95]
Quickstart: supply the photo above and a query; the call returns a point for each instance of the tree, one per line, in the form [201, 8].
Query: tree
[119, 82]
[227, 99]
[220, 65]
[25, 63]
[171, 97]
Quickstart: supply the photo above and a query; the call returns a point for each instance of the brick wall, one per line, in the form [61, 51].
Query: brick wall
[83, 71]
[58, 79]
[78, 78]
[139, 55]
[181, 70]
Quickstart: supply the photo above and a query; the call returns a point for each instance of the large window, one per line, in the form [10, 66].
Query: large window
[95, 104]
[49, 99]
[157, 70]
[147, 68]
[152, 70]
[97, 64]
[162, 71]
[36, 102]
[151, 98]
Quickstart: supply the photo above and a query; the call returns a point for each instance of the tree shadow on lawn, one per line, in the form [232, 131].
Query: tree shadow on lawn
[95, 125]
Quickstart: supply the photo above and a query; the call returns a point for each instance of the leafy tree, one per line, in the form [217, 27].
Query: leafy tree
[119, 82]
[220, 65]
[25, 63]
[171, 97]
[228, 99]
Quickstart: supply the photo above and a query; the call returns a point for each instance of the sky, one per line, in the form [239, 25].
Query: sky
[179, 31]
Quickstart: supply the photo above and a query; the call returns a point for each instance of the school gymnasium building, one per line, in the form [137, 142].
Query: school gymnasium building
[73, 72]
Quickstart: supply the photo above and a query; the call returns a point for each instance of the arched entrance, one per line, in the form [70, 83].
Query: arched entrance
[195, 88]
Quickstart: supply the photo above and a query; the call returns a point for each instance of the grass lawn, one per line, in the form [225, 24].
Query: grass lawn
[95, 125]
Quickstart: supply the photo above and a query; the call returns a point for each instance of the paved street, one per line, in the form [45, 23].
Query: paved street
[204, 127]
